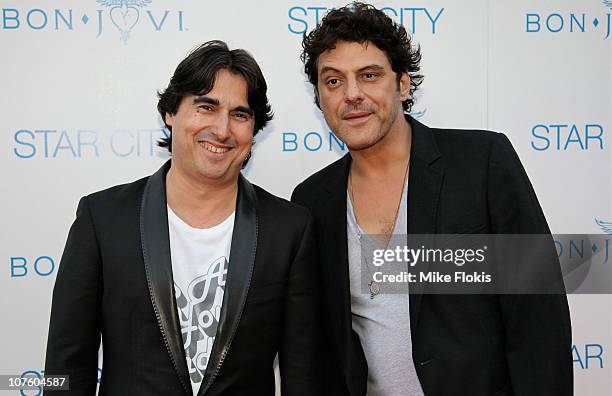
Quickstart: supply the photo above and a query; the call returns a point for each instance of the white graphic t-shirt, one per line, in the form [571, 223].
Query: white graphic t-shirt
[199, 267]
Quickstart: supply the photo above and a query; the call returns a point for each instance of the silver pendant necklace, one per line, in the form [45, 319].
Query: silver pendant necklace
[373, 286]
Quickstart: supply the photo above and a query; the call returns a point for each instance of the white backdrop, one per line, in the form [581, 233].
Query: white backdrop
[79, 114]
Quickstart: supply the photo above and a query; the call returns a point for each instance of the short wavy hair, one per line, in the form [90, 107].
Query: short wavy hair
[363, 23]
[195, 75]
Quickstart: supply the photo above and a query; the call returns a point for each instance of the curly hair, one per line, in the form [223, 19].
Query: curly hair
[195, 75]
[362, 23]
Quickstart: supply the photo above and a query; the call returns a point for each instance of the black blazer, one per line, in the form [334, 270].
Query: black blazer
[477, 345]
[115, 281]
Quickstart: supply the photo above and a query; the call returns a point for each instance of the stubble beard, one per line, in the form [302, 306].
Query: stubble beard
[383, 130]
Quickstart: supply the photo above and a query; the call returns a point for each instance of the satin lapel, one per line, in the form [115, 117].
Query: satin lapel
[424, 187]
[238, 281]
[158, 267]
[335, 252]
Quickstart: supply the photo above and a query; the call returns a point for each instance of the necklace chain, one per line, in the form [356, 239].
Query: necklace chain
[373, 286]
[352, 196]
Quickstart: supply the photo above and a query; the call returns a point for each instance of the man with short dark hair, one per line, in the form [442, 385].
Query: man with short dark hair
[194, 278]
[401, 177]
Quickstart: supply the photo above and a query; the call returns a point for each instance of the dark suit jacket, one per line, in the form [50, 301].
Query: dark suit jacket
[115, 281]
[478, 345]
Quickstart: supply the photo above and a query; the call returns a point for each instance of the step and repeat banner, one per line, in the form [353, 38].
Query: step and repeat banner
[79, 81]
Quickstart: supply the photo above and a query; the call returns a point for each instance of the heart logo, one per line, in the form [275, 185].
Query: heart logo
[124, 18]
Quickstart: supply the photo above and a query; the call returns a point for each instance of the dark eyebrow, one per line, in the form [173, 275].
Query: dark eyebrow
[325, 69]
[206, 99]
[213, 101]
[373, 66]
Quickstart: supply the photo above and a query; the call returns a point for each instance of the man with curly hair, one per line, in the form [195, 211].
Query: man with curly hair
[402, 177]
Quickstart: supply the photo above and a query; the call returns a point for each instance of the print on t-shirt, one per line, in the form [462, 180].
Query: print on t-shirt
[200, 309]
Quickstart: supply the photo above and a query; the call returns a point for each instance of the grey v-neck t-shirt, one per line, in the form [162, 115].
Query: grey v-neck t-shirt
[383, 322]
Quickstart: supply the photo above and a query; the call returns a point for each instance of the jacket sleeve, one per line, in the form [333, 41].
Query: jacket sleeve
[74, 328]
[537, 326]
[299, 355]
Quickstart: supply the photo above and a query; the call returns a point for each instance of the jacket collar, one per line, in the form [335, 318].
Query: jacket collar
[158, 267]
[238, 281]
[424, 187]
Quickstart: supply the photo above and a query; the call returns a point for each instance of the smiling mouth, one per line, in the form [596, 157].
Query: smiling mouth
[214, 149]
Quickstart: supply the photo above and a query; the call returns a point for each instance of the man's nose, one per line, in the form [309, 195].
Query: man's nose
[221, 127]
[352, 91]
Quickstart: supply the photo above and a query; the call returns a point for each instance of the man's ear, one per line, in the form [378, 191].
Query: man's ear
[404, 86]
[316, 97]
[169, 119]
